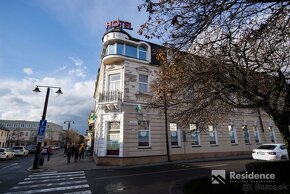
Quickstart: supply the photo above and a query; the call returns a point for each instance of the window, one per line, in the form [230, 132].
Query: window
[195, 135]
[131, 51]
[175, 136]
[143, 83]
[15, 125]
[143, 134]
[272, 134]
[127, 50]
[113, 138]
[110, 49]
[212, 135]
[246, 134]
[142, 53]
[233, 134]
[114, 82]
[8, 124]
[257, 134]
[22, 125]
[26, 134]
[1, 133]
[47, 126]
[283, 147]
[120, 49]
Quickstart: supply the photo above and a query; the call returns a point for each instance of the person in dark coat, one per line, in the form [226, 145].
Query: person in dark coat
[73, 150]
[76, 153]
[69, 153]
[49, 150]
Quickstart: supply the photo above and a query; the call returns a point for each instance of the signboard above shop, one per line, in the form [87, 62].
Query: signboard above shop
[119, 24]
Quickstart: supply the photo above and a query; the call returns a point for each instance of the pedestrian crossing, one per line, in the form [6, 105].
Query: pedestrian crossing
[53, 182]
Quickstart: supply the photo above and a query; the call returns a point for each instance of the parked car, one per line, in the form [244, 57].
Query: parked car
[31, 148]
[55, 147]
[44, 150]
[270, 152]
[6, 153]
[20, 151]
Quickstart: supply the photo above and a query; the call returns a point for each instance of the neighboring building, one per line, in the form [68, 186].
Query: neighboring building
[127, 132]
[3, 137]
[24, 132]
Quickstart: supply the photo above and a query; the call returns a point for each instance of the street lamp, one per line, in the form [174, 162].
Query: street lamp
[36, 156]
[66, 139]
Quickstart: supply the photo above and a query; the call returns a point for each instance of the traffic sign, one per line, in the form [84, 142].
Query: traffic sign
[40, 138]
[42, 127]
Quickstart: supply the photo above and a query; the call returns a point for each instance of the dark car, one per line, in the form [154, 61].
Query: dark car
[31, 148]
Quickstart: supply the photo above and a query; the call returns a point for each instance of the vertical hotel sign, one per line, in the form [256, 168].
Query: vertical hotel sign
[119, 24]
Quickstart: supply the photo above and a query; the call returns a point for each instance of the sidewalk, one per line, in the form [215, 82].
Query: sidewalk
[58, 162]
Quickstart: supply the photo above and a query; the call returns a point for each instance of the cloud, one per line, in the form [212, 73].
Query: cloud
[20, 103]
[60, 69]
[80, 70]
[77, 61]
[28, 70]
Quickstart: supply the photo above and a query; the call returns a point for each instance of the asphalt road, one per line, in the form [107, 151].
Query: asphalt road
[14, 170]
[157, 179]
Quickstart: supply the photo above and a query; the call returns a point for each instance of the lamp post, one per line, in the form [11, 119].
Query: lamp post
[166, 126]
[36, 156]
[66, 139]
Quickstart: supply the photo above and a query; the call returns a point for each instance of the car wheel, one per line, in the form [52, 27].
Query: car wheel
[283, 158]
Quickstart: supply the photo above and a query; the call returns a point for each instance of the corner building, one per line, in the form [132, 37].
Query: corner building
[127, 132]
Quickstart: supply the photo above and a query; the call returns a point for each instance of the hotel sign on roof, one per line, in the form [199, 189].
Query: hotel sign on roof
[119, 24]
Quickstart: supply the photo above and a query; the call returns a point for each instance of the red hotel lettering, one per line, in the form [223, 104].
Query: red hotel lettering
[119, 23]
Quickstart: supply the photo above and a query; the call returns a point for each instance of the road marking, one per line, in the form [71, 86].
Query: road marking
[49, 184]
[80, 192]
[50, 189]
[51, 180]
[54, 173]
[14, 164]
[52, 177]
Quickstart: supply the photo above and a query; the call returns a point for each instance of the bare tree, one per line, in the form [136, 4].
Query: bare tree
[236, 56]
[73, 136]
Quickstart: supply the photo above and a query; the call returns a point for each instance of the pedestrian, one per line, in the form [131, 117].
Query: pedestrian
[82, 151]
[73, 150]
[49, 150]
[76, 153]
[68, 153]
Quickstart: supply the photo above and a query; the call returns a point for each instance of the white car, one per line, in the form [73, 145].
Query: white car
[270, 152]
[6, 153]
[20, 151]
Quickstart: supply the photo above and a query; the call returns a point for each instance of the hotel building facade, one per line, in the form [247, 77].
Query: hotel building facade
[128, 132]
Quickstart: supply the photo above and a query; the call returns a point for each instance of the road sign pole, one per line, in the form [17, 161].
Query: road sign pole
[37, 153]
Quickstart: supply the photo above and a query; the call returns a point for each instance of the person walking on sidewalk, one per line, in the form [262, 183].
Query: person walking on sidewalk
[68, 154]
[76, 153]
[49, 150]
[82, 151]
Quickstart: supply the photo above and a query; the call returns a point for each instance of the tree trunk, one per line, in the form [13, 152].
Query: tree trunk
[282, 122]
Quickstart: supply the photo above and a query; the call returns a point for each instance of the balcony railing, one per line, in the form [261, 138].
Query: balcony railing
[110, 96]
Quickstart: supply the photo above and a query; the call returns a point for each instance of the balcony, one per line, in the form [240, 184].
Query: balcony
[110, 96]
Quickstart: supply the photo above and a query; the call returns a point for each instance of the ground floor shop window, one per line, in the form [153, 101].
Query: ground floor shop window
[272, 134]
[257, 134]
[113, 138]
[246, 134]
[175, 136]
[143, 134]
[233, 134]
[195, 135]
[212, 135]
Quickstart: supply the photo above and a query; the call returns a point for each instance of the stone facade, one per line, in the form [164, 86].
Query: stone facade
[127, 132]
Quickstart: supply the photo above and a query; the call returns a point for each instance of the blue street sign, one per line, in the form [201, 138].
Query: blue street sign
[42, 126]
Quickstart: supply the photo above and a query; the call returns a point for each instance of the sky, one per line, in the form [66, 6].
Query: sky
[55, 43]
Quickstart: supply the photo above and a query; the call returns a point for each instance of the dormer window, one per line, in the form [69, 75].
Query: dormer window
[137, 52]
[142, 52]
